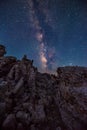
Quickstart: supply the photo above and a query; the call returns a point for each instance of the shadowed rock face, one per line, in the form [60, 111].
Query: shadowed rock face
[72, 99]
[30, 100]
[6, 64]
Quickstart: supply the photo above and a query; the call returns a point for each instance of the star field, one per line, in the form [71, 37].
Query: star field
[51, 32]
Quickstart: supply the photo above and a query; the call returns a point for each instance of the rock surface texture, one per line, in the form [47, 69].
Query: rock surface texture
[30, 100]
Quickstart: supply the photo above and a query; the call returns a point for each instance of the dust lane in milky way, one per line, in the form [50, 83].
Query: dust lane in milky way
[39, 17]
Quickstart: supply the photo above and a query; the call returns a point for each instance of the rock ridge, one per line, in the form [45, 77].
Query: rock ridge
[30, 100]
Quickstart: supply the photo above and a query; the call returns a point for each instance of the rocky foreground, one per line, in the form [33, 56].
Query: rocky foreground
[30, 100]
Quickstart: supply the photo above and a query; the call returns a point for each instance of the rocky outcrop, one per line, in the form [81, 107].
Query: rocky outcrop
[30, 100]
[2, 50]
[72, 98]
[5, 62]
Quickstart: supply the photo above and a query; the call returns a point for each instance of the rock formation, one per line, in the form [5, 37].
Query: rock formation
[2, 50]
[30, 100]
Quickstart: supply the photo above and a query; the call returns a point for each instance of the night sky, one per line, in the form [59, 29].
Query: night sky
[51, 32]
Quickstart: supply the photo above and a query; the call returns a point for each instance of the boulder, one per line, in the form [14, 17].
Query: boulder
[23, 117]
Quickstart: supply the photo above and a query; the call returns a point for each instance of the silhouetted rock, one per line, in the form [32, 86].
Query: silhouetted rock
[2, 50]
[30, 100]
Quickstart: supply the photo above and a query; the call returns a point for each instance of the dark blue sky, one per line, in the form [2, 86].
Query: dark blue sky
[51, 32]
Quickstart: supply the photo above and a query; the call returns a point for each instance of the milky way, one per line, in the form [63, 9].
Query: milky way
[51, 32]
[39, 16]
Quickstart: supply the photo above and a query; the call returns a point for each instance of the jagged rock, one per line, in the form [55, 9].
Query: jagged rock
[21, 68]
[6, 64]
[18, 86]
[32, 100]
[72, 98]
[2, 50]
[72, 75]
